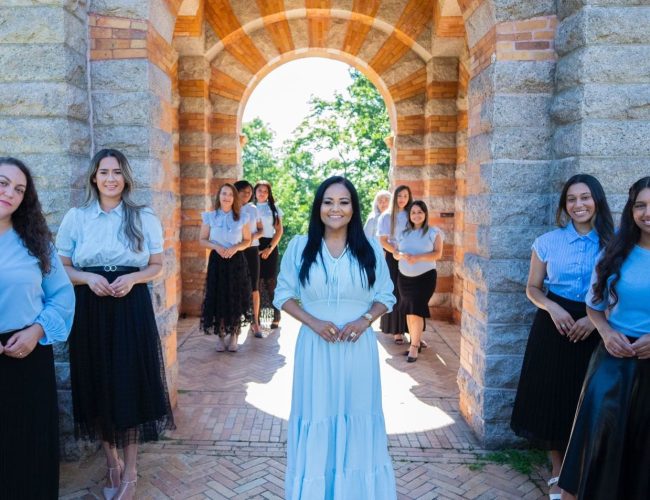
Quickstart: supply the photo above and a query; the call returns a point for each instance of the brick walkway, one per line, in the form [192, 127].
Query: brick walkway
[232, 418]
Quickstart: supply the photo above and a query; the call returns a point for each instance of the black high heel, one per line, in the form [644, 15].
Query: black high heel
[420, 347]
[410, 359]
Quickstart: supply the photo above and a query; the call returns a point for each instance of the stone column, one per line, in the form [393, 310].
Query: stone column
[507, 203]
[600, 108]
[44, 121]
[132, 66]
[196, 175]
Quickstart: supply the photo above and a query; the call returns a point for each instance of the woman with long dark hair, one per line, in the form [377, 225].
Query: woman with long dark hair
[227, 303]
[252, 254]
[609, 452]
[561, 338]
[111, 248]
[37, 306]
[336, 283]
[419, 247]
[271, 216]
[390, 227]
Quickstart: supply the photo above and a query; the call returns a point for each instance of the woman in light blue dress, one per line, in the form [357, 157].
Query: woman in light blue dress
[336, 283]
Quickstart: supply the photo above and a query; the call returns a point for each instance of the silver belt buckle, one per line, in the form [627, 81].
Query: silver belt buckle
[109, 269]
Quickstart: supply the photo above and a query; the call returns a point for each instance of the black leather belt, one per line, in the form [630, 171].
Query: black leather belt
[110, 269]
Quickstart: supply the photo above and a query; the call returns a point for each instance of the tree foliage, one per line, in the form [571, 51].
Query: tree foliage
[342, 136]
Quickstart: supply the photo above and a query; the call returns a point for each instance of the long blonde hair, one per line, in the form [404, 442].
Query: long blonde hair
[394, 209]
[131, 223]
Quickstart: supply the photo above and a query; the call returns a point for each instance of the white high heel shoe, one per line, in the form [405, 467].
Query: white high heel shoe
[110, 491]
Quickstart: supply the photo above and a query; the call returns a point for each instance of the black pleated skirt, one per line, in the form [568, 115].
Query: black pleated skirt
[268, 282]
[608, 456]
[551, 379]
[29, 426]
[415, 292]
[227, 304]
[252, 256]
[119, 391]
[394, 321]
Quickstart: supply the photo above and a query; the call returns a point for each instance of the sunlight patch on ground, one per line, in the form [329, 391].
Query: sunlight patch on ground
[404, 412]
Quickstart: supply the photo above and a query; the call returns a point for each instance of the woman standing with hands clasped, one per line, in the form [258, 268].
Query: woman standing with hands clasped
[227, 302]
[390, 228]
[336, 283]
[271, 217]
[561, 340]
[420, 246]
[36, 310]
[608, 456]
[111, 248]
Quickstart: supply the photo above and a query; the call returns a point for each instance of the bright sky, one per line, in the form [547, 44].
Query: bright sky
[281, 98]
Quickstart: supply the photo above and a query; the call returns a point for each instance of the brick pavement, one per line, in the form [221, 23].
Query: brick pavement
[232, 417]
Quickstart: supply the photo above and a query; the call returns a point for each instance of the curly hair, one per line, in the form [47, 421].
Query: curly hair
[618, 248]
[29, 222]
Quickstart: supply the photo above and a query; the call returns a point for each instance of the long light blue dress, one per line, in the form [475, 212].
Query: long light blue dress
[337, 446]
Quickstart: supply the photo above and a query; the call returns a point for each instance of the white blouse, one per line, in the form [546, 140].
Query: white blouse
[266, 216]
[383, 226]
[91, 237]
[224, 229]
[251, 211]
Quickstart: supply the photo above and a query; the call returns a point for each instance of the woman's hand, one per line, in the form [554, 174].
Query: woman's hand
[617, 344]
[229, 252]
[326, 329]
[581, 329]
[99, 285]
[350, 332]
[22, 343]
[641, 346]
[562, 319]
[264, 254]
[410, 259]
[122, 285]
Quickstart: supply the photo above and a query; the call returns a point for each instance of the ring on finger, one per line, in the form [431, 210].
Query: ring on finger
[353, 334]
[332, 331]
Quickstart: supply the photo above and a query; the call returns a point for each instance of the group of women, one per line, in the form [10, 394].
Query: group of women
[411, 249]
[586, 401]
[584, 389]
[243, 239]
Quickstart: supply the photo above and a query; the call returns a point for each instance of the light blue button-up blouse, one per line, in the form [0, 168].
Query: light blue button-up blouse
[266, 216]
[91, 237]
[570, 258]
[27, 297]
[224, 229]
[631, 314]
[383, 226]
[251, 211]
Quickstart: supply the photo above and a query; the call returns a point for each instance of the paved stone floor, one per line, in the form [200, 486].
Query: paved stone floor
[232, 418]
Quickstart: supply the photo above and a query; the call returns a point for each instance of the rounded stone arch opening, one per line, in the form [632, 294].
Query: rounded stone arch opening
[334, 54]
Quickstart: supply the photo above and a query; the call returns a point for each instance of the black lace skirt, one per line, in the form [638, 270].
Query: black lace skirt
[268, 282]
[29, 426]
[551, 378]
[119, 391]
[227, 303]
[394, 321]
[608, 456]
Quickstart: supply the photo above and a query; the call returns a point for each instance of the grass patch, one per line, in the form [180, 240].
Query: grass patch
[523, 461]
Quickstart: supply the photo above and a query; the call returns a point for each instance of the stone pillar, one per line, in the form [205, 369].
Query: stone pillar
[601, 106]
[196, 175]
[440, 120]
[507, 204]
[44, 122]
[132, 65]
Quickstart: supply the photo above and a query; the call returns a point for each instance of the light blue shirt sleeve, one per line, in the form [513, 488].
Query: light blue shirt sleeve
[66, 235]
[58, 303]
[288, 286]
[384, 286]
[589, 299]
[152, 230]
[540, 247]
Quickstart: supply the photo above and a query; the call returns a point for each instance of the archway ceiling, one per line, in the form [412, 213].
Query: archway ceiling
[245, 36]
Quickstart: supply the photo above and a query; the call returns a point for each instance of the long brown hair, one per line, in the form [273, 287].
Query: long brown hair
[394, 209]
[236, 206]
[271, 201]
[29, 222]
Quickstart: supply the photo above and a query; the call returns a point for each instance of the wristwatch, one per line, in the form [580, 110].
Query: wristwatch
[369, 317]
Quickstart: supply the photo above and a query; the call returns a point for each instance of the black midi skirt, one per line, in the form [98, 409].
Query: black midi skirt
[551, 379]
[29, 426]
[268, 266]
[252, 256]
[119, 391]
[268, 281]
[227, 303]
[608, 456]
[394, 321]
[415, 292]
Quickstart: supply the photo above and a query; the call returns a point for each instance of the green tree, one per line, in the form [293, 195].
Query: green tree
[347, 134]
